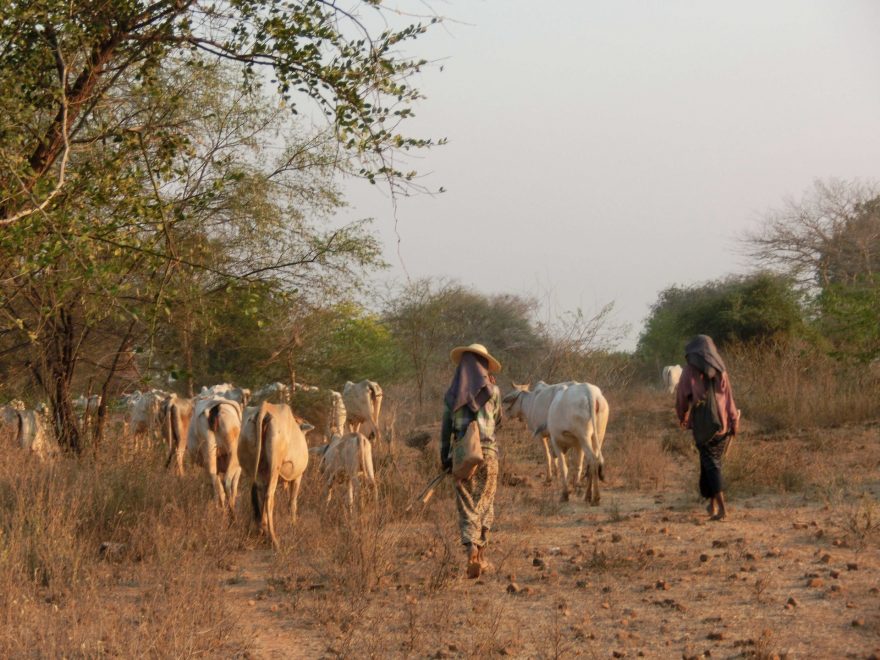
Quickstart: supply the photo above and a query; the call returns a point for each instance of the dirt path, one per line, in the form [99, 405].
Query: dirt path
[250, 599]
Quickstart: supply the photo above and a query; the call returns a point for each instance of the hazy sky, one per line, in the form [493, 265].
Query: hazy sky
[602, 151]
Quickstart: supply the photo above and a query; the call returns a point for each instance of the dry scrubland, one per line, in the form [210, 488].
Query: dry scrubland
[795, 572]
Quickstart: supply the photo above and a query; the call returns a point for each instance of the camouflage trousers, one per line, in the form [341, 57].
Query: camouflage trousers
[475, 500]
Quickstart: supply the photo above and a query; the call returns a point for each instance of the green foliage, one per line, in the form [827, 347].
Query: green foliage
[850, 317]
[736, 309]
[344, 342]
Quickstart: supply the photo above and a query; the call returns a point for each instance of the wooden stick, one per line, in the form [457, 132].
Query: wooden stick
[426, 494]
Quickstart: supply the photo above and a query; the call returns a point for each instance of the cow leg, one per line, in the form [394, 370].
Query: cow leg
[563, 475]
[233, 475]
[353, 489]
[594, 482]
[579, 475]
[212, 473]
[549, 458]
[294, 496]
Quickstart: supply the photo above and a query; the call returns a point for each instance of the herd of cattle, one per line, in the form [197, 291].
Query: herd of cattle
[220, 432]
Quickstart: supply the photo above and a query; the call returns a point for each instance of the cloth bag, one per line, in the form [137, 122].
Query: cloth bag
[467, 453]
[705, 416]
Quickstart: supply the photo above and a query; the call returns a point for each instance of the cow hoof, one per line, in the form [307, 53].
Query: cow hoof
[564, 497]
[601, 473]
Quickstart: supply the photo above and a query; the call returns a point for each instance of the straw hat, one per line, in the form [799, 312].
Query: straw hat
[479, 349]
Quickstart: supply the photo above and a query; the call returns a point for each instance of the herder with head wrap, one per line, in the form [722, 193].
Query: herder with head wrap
[704, 403]
[473, 397]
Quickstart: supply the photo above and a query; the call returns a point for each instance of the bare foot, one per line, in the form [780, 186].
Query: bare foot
[718, 517]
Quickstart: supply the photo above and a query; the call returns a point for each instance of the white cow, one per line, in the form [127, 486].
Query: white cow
[347, 458]
[671, 376]
[144, 415]
[29, 430]
[176, 413]
[212, 442]
[274, 392]
[228, 391]
[533, 408]
[87, 405]
[272, 447]
[363, 401]
[577, 420]
[336, 419]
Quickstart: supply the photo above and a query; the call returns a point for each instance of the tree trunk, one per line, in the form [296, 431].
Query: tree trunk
[60, 360]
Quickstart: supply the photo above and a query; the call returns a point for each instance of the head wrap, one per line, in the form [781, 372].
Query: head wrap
[702, 354]
[470, 386]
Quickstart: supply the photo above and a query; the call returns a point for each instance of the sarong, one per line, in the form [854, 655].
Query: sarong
[475, 500]
[711, 457]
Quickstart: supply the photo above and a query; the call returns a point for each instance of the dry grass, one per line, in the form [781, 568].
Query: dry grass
[62, 597]
[384, 582]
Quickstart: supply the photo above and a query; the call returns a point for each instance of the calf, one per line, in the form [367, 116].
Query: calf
[346, 458]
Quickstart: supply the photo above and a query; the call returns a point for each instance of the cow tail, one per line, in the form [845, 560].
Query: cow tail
[214, 417]
[257, 505]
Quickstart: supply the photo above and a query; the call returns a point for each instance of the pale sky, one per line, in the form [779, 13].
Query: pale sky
[603, 150]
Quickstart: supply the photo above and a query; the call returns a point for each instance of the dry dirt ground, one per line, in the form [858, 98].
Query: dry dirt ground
[794, 572]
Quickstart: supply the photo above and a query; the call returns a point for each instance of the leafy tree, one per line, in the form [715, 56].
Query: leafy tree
[429, 318]
[736, 309]
[829, 242]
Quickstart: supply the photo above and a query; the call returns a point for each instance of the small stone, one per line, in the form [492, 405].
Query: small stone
[650, 552]
[835, 587]
[774, 552]
[852, 566]
[581, 584]
[719, 544]
[606, 606]
[750, 556]
[815, 582]
[606, 589]
[538, 562]
[792, 602]
[858, 623]
[252, 602]
[799, 525]
[513, 588]
[616, 538]
[834, 574]
[704, 558]
[825, 559]
[274, 607]
[618, 654]
[661, 584]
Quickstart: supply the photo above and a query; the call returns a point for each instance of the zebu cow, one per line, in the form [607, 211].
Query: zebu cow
[671, 376]
[212, 442]
[272, 447]
[228, 391]
[176, 413]
[29, 430]
[144, 419]
[363, 401]
[346, 458]
[577, 420]
[533, 408]
[87, 405]
[273, 392]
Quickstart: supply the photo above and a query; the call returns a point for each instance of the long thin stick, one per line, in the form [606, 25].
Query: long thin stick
[426, 494]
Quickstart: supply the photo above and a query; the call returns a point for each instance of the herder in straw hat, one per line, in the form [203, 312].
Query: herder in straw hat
[473, 396]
